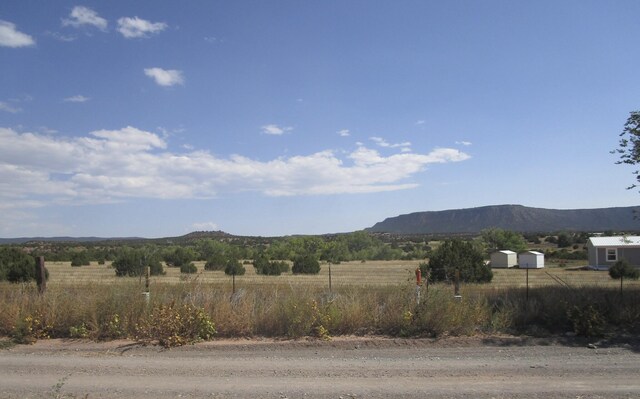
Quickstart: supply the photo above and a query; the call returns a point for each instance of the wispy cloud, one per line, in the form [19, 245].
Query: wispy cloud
[47, 130]
[383, 143]
[60, 37]
[115, 165]
[77, 99]
[465, 143]
[421, 122]
[275, 130]
[6, 107]
[81, 16]
[344, 133]
[137, 27]
[11, 37]
[165, 77]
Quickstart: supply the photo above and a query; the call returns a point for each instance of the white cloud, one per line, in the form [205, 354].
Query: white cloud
[205, 226]
[344, 133]
[81, 16]
[6, 107]
[465, 143]
[47, 130]
[11, 37]
[421, 122]
[275, 130]
[165, 77]
[138, 27]
[77, 99]
[115, 165]
[383, 143]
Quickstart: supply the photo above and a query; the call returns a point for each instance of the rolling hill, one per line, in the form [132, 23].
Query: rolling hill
[510, 217]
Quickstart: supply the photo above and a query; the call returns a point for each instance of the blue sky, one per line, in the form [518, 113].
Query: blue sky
[158, 118]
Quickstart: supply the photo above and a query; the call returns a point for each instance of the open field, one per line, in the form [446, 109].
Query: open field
[370, 273]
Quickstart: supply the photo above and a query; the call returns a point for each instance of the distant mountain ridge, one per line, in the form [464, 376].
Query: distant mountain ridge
[510, 217]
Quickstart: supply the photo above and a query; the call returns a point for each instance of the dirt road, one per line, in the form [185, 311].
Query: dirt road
[342, 368]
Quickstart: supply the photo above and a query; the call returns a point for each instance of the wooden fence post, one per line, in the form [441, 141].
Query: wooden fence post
[41, 275]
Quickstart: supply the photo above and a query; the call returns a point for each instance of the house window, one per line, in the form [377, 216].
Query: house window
[612, 254]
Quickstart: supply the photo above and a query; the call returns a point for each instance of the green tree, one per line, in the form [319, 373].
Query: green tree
[454, 255]
[188, 268]
[132, 262]
[335, 252]
[629, 145]
[306, 264]
[234, 268]
[498, 239]
[302, 246]
[564, 240]
[267, 267]
[179, 256]
[16, 266]
[80, 259]
[622, 269]
[216, 262]
[261, 263]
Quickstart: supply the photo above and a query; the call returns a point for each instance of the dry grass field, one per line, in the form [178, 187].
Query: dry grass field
[358, 274]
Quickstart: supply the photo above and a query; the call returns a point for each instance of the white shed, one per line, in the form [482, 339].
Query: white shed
[504, 259]
[531, 260]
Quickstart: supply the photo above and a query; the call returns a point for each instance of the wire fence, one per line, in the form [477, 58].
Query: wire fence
[369, 273]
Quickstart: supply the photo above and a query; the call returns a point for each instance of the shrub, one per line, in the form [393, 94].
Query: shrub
[217, 261]
[132, 262]
[269, 268]
[234, 268]
[80, 259]
[622, 269]
[306, 264]
[179, 256]
[459, 255]
[587, 320]
[188, 268]
[16, 266]
[173, 325]
[260, 263]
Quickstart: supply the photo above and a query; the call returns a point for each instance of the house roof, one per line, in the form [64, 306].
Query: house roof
[618, 241]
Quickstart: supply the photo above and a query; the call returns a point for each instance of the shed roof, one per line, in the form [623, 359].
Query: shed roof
[618, 241]
[506, 251]
[532, 253]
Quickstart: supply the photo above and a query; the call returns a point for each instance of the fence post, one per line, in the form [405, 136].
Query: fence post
[418, 282]
[527, 284]
[233, 282]
[457, 285]
[41, 275]
[330, 277]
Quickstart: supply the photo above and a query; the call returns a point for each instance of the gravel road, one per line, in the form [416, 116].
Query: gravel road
[342, 368]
